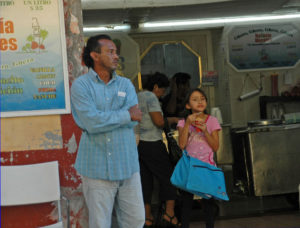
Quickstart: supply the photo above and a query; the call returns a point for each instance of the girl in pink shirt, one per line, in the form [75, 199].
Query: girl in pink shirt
[199, 136]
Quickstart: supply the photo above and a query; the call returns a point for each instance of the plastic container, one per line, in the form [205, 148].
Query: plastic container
[216, 112]
[291, 118]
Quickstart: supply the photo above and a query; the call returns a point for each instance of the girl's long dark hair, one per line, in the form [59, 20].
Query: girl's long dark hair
[186, 112]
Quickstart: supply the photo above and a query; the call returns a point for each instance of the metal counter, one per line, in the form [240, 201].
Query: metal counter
[224, 155]
[273, 155]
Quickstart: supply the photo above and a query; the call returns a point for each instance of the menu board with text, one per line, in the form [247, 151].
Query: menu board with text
[33, 62]
[257, 47]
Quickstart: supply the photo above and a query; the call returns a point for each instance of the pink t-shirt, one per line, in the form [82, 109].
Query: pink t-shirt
[197, 145]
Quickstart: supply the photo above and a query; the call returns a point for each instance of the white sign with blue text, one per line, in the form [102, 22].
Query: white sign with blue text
[258, 47]
[33, 60]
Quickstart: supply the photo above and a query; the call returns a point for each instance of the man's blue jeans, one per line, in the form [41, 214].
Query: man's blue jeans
[126, 195]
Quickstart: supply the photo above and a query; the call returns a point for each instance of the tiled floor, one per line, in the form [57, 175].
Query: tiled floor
[274, 220]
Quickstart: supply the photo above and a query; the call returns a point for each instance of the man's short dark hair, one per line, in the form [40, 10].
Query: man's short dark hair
[92, 45]
[160, 79]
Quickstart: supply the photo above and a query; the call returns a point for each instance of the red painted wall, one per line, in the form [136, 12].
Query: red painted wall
[38, 215]
[46, 214]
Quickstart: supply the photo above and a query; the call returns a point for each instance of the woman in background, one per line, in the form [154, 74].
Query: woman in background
[173, 103]
[153, 155]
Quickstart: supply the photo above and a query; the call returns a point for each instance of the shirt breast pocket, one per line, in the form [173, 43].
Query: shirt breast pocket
[120, 101]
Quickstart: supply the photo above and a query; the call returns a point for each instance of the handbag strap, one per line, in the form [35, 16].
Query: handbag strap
[167, 129]
[184, 152]
[206, 118]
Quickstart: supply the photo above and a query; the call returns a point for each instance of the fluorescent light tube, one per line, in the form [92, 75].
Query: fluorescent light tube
[250, 94]
[106, 28]
[219, 21]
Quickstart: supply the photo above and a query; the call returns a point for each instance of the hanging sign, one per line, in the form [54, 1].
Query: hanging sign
[210, 78]
[256, 47]
[33, 62]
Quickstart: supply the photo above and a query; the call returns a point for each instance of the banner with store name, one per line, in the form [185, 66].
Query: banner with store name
[270, 46]
[33, 60]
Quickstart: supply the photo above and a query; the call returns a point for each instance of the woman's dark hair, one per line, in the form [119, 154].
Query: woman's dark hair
[92, 45]
[182, 78]
[161, 80]
[186, 111]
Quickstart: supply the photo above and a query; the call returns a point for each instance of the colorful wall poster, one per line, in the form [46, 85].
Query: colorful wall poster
[256, 47]
[33, 60]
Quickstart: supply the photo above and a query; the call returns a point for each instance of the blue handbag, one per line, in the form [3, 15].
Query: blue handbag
[199, 178]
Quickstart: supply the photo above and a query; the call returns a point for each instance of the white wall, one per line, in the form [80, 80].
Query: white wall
[234, 111]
